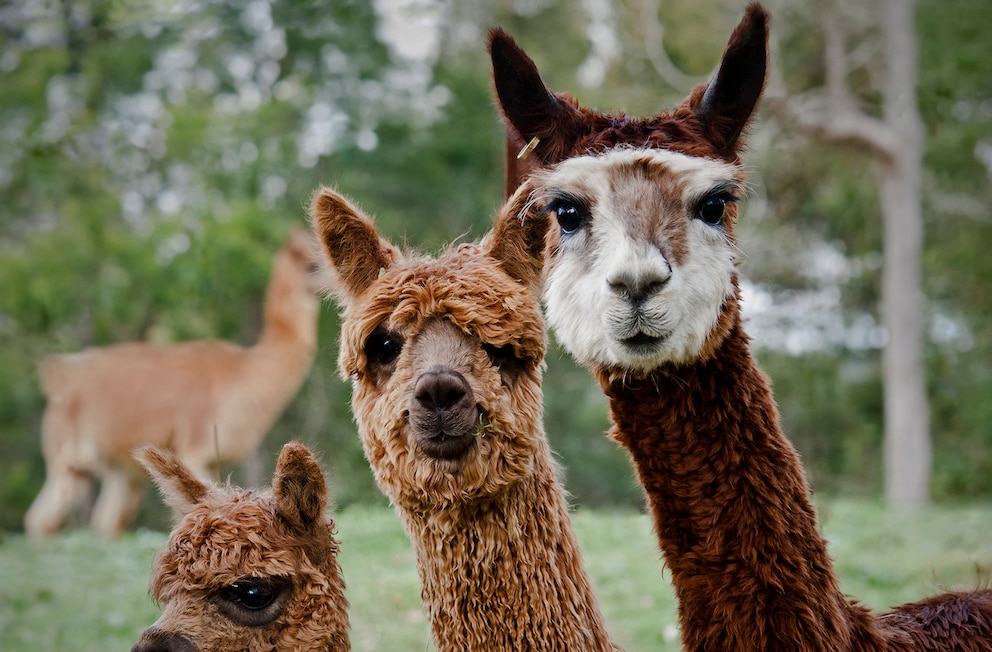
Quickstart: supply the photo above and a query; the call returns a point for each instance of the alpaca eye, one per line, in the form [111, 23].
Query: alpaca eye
[382, 347]
[500, 356]
[570, 212]
[250, 594]
[713, 208]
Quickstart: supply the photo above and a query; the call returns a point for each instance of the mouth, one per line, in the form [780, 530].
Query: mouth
[446, 447]
[642, 343]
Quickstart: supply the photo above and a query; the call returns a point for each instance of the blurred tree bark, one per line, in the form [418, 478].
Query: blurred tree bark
[895, 140]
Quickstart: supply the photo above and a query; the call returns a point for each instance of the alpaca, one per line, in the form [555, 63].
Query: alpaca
[445, 356]
[243, 569]
[210, 402]
[641, 287]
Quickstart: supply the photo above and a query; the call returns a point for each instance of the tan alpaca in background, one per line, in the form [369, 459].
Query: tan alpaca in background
[244, 569]
[209, 401]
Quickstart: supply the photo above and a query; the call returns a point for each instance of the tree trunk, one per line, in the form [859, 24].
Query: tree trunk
[907, 447]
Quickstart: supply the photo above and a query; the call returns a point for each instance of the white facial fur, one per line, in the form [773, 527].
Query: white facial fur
[641, 265]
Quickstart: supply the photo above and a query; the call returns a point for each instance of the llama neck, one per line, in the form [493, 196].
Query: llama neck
[730, 505]
[506, 573]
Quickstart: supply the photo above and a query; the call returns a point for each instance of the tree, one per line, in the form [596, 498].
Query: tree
[895, 140]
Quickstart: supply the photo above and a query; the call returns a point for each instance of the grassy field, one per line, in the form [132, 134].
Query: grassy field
[82, 594]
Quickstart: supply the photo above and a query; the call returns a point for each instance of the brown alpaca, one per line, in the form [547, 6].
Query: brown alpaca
[641, 287]
[247, 570]
[445, 356]
[210, 402]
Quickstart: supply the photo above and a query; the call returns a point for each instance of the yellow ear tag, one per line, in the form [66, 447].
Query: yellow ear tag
[528, 148]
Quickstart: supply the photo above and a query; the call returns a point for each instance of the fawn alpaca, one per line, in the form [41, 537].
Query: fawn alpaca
[247, 570]
[642, 288]
[210, 402]
[445, 356]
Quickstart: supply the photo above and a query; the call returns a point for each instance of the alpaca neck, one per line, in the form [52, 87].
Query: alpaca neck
[506, 573]
[730, 506]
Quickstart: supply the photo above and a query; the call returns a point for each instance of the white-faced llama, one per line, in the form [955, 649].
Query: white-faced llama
[445, 356]
[210, 402]
[641, 287]
[247, 570]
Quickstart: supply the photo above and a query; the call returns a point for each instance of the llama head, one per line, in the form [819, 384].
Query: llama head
[641, 269]
[445, 354]
[246, 570]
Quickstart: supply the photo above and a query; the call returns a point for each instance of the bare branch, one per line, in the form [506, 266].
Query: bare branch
[654, 49]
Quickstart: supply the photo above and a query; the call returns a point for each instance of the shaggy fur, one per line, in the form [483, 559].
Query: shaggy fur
[445, 356]
[210, 402]
[247, 570]
[660, 327]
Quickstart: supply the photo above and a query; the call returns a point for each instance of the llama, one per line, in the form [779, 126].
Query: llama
[641, 287]
[210, 402]
[445, 356]
[243, 569]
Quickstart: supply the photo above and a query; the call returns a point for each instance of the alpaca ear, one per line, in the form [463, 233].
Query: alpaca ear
[530, 110]
[517, 238]
[732, 95]
[299, 487]
[349, 237]
[180, 489]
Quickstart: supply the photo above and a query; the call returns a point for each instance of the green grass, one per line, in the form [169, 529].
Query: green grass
[83, 594]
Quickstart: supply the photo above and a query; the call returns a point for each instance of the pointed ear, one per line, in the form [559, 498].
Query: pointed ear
[517, 239]
[180, 489]
[350, 240]
[530, 110]
[732, 95]
[299, 487]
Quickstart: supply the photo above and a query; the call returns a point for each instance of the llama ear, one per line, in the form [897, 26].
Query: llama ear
[180, 489]
[732, 95]
[530, 110]
[299, 487]
[517, 238]
[353, 246]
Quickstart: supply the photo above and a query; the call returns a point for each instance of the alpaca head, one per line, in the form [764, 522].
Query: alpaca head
[247, 570]
[445, 354]
[641, 266]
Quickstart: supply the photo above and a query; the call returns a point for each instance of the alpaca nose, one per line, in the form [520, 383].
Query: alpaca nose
[154, 639]
[637, 288]
[441, 389]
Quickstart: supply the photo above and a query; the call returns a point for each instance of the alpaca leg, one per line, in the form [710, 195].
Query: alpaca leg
[63, 490]
[120, 495]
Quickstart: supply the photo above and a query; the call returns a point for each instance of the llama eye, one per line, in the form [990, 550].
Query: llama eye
[571, 214]
[254, 601]
[382, 347]
[500, 355]
[712, 209]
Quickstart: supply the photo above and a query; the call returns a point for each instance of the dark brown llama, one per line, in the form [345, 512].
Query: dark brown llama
[642, 288]
[445, 356]
[244, 569]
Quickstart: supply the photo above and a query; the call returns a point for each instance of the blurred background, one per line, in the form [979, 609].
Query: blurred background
[153, 155]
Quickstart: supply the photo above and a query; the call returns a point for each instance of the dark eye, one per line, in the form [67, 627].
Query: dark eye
[505, 359]
[571, 214]
[383, 346]
[254, 601]
[250, 594]
[712, 209]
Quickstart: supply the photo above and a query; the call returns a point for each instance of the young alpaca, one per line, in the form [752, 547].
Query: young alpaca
[210, 402]
[247, 570]
[642, 288]
[445, 356]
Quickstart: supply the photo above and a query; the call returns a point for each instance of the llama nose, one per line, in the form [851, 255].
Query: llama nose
[637, 289]
[154, 639]
[441, 389]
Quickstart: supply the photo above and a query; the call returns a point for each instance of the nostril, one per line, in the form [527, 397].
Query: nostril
[637, 290]
[440, 390]
[156, 640]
